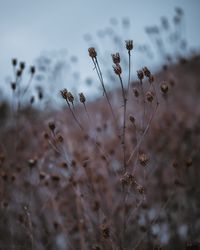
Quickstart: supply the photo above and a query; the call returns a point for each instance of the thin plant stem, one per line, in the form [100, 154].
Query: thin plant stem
[98, 70]
[143, 135]
[123, 141]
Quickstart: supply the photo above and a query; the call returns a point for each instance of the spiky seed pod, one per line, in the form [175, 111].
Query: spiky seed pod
[14, 62]
[64, 94]
[117, 69]
[82, 98]
[164, 88]
[146, 72]
[92, 52]
[70, 97]
[140, 75]
[32, 70]
[116, 58]
[52, 126]
[150, 96]
[129, 45]
[136, 92]
[143, 159]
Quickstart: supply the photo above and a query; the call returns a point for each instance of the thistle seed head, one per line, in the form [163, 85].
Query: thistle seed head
[64, 93]
[146, 72]
[129, 45]
[92, 52]
[70, 97]
[140, 75]
[116, 58]
[117, 69]
[82, 98]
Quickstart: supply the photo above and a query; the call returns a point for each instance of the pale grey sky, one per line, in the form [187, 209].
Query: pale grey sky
[28, 27]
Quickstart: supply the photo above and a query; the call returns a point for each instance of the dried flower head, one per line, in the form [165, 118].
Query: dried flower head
[14, 62]
[143, 159]
[117, 69]
[64, 93]
[52, 126]
[140, 75]
[164, 88]
[59, 138]
[70, 97]
[129, 45]
[140, 189]
[32, 70]
[22, 65]
[151, 79]
[105, 231]
[136, 92]
[92, 52]
[150, 96]
[146, 72]
[13, 86]
[127, 179]
[132, 119]
[19, 73]
[82, 98]
[116, 58]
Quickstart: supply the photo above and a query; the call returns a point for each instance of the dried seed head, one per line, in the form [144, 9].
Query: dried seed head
[14, 62]
[136, 92]
[92, 52]
[129, 45]
[151, 79]
[150, 96]
[132, 119]
[13, 86]
[32, 162]
[143, 159]
[140, 75]
[127, 179]
[164, 88]
[19, 73]
[64, 94]
[22, 65]
[140, 189]
[32, 99]
[117, 69]
[70, 97]
[59, 138]
[52, 126]
[82, 98]
[32, 70]
[105, 231]
[146, 72]
[116, 58]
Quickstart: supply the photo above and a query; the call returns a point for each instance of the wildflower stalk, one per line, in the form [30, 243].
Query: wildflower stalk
[93, 55]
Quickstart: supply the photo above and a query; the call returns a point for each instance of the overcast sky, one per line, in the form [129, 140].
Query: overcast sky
[28, 27]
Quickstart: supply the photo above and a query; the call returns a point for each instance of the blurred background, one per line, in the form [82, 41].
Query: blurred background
[55, 36]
